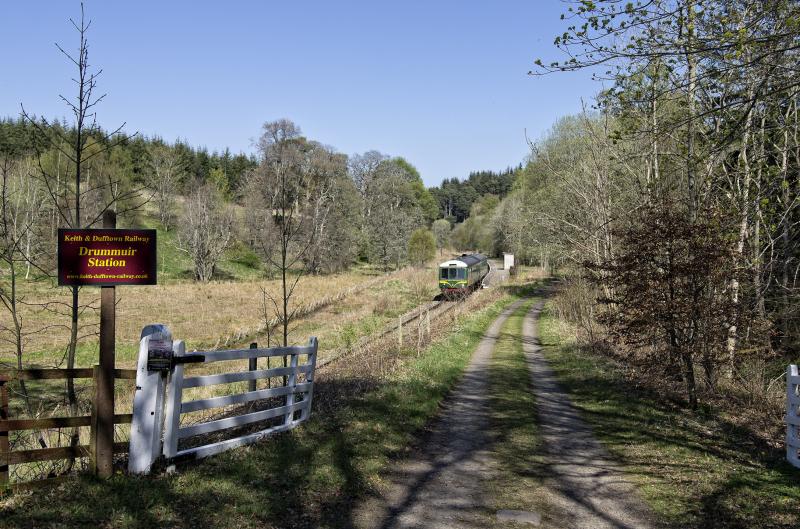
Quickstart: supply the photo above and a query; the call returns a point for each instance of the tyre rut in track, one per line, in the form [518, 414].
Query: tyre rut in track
[584, 485]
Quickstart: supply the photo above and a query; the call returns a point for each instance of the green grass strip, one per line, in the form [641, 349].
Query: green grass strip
[516, 448]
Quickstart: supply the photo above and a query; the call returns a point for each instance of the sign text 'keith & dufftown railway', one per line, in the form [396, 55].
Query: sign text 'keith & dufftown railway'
[106, 257]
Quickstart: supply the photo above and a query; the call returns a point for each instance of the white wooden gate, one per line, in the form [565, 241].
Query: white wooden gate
[793, 416]
[295, 409]
[158, 403]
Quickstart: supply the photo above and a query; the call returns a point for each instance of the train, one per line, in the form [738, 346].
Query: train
[459, 276]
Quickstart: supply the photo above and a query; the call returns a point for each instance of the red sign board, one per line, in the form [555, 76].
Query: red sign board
[106, 257]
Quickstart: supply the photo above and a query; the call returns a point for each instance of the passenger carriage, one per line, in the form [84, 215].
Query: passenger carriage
[463, 274]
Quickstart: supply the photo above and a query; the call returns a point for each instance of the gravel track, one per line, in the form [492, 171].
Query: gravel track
[440, 486]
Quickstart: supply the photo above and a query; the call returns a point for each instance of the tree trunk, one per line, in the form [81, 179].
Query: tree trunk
[744, 182]
[691, 77]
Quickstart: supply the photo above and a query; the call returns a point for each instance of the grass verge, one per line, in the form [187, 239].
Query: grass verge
[695, 469]
[311, 477]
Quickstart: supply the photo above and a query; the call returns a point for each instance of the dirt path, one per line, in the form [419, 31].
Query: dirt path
[441, 487]
[585, 486]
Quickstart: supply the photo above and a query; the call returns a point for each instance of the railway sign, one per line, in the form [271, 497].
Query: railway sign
[106, 257]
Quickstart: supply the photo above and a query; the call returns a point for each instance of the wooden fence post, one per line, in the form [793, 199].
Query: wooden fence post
[253, 366]
[104, 396]
[428, 322]
[93, 425]
[5, 448]
[400, 331]
[292, 383]
[172, 417]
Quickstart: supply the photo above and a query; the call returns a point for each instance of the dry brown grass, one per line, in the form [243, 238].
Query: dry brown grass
[206, 314]
[342, 322]
[214, 315]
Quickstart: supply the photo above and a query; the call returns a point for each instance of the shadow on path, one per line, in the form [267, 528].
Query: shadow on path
[441, 486]
[581, 479]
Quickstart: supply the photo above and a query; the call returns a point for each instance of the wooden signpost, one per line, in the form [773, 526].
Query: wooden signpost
[106, 257]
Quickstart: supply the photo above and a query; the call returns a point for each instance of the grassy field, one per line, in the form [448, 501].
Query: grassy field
[310, 477]
[190, 313]
[203, 314]
[217, 314]
[225, 312]
[696, 469]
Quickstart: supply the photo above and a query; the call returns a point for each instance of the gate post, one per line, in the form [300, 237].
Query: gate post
[103, 433]
[148, 404]
[312, 360]
[172, 418]
[792, 417]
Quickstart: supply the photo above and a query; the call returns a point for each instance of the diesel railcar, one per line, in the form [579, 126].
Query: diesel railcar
[463, 274]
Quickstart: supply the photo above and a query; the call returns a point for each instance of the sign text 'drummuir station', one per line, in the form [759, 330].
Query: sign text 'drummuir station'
[106, 257]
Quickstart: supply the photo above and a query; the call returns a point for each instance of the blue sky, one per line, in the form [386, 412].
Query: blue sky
[442, 83]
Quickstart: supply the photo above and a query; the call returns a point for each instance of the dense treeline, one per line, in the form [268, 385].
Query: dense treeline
[677, 195]
[456, 197]
[364, 207]
[134, 156]
[373, 204]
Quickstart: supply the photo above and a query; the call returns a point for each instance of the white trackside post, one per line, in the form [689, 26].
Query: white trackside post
[792, 416]
[148, 403]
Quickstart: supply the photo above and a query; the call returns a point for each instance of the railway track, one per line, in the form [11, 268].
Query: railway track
[433, 310]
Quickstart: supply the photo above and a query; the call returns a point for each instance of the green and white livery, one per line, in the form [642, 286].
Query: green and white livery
[462, 274]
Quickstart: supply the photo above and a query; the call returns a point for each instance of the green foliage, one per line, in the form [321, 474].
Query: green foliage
[219, 179]
[408, 168]
[242, 254]
[421, 246]
[484, 205]
[425, 201]
[455, 198]
[392, 212]
[129, 157]
[474, 234]
[441, 232]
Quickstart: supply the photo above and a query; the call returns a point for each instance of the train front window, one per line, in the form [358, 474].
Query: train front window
[452, 273]
[461, 273]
